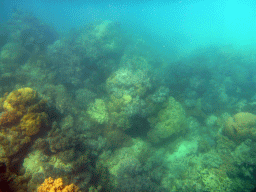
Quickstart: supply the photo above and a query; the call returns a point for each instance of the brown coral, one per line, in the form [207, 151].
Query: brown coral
[240, 127]
[9, 118]
[56, 185]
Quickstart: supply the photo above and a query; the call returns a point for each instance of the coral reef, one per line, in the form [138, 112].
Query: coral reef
[84, 97]
[169, 121]
[23, 116]
[127, 89]
[37, 37]
[11, 53]
[111, 114]
[129, 82]
[68, 152]
[98, 111]
[240, 127]
[126, 172]
[88, 53]
[56, 185]
[19, 99]
[58, 97]
[104, 38]
[28, 36]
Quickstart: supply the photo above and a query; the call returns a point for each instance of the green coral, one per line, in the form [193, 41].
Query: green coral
[117, 115]
[123, 156]
[169, 121]
[11, 52]
[214, 182]
[98, 111]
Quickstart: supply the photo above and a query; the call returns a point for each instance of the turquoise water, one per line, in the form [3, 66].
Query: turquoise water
[128, 96]
[181, 25]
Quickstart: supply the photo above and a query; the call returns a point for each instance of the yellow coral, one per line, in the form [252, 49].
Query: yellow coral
[20, 107]
[56, 185]
[32, 122]
[22, 117]
[20, 99]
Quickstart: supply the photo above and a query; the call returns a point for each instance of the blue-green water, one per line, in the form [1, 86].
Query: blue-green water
[128, 96]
